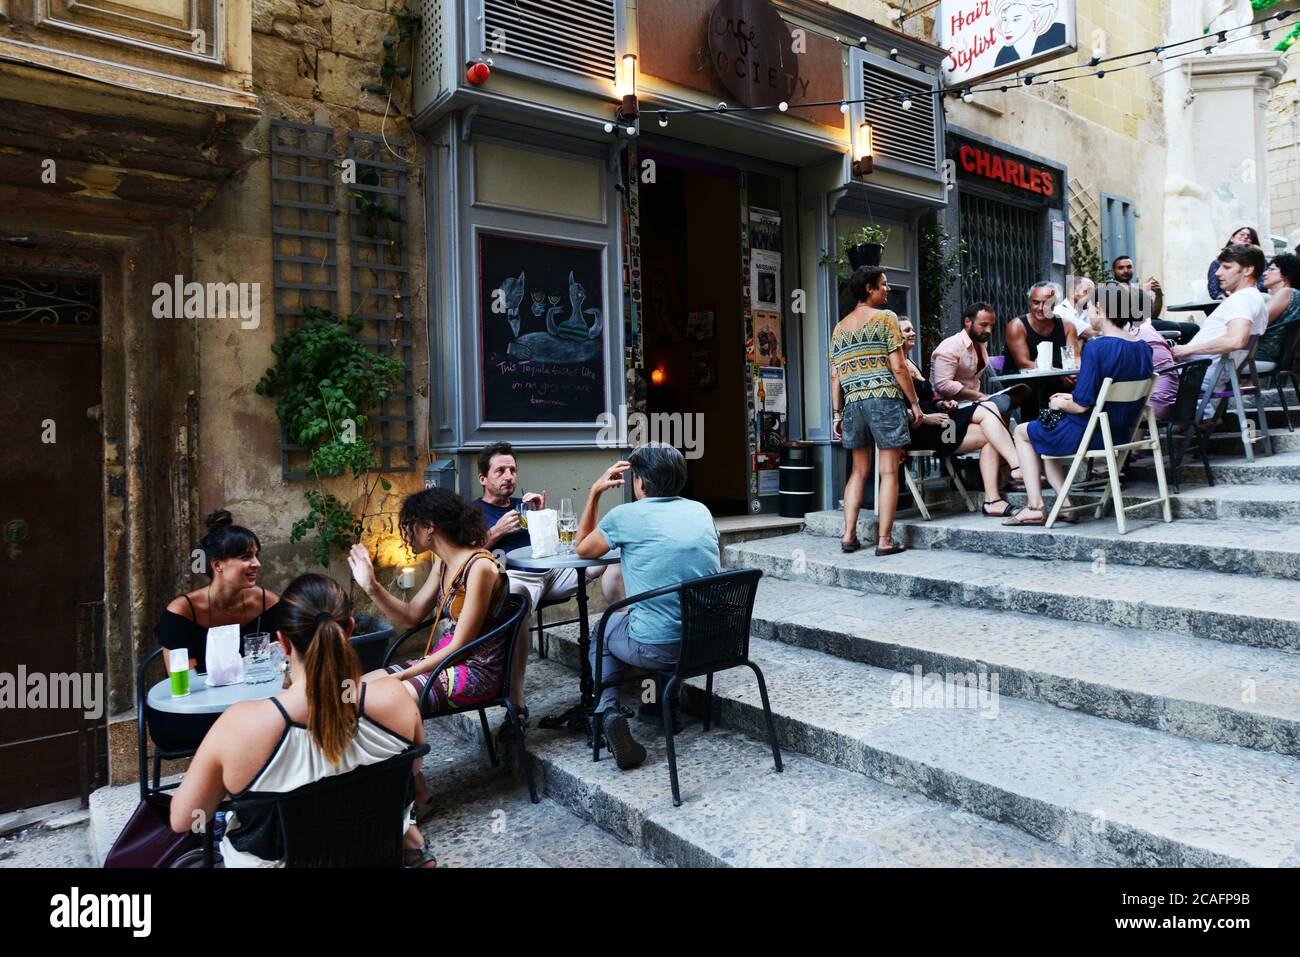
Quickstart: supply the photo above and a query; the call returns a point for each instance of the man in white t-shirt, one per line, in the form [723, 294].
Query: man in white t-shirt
[1074, 307]
[1244, 313]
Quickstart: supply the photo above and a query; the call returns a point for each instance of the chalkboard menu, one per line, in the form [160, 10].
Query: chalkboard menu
[542, 322]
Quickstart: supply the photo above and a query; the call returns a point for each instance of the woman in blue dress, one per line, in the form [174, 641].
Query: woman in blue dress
[1114, 352]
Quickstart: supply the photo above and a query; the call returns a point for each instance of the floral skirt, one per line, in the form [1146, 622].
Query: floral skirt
[460, 686]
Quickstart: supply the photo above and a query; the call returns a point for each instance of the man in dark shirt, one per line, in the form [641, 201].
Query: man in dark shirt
[499, 476]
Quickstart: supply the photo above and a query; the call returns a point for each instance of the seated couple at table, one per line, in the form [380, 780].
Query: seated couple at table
[1114, 352]
[308, 732]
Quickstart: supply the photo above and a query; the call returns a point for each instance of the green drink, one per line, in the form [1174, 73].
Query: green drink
[179, 666]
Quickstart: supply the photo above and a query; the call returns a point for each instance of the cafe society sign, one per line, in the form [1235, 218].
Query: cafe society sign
[753, 53]
[743, 53]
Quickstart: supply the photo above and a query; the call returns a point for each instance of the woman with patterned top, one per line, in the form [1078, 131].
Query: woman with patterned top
[1282, 284]
[869, 383]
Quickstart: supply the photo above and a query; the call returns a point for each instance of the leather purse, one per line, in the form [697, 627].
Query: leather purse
[148, 839]
[1050, 418]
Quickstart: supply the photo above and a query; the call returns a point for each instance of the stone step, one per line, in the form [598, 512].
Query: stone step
[1234, 547]
[1104, 790]
[1241, 609]
[485, 818]
[1208, 690]
[738, 812]
[1277, 503]
[1282, 468]
[1225, 443]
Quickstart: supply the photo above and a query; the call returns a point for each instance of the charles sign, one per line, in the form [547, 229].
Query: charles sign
[983, 164]
[753, 53]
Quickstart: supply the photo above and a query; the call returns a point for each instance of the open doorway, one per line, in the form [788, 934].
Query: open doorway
[694, 335]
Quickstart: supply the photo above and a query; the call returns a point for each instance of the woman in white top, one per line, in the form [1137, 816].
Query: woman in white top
[313, 730]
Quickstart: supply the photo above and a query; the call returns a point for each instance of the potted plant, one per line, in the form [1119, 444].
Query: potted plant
[866, 246]
[862, 247]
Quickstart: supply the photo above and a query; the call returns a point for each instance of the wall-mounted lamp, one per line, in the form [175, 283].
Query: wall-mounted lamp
[864, 151]
[629, 109]
[658, 376]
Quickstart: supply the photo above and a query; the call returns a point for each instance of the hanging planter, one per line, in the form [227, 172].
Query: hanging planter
[865, 254]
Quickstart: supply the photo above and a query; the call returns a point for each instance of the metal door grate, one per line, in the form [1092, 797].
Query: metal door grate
[1002, 245]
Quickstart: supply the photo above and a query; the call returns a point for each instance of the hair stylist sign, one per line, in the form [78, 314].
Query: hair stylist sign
[990, 37]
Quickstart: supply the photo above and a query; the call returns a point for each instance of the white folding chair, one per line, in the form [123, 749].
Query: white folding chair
[1225, 369]
[917, 489]
[1138, 390]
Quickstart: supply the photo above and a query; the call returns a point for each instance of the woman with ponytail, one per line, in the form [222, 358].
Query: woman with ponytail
[328, 722]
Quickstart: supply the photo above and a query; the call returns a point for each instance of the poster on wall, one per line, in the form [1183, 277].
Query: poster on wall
[541, 322]
[764, 347]
[987, 38]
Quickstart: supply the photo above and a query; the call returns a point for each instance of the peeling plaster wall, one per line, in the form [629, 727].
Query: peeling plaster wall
[311, 61]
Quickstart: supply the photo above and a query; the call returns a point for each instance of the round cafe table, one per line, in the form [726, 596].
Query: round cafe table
[1035, 374]
[522, 559]
[204, 699]
[1207, 307]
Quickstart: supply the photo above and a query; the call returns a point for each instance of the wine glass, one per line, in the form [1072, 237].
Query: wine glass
[568, 524]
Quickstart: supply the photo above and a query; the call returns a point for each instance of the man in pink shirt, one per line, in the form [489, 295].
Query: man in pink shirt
[960, 360]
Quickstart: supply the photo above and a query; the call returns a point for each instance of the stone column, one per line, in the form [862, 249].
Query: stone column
[1216, 108]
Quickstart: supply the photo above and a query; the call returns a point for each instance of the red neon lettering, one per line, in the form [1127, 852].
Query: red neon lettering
[982, 163]
[998, 171]
[967, 157]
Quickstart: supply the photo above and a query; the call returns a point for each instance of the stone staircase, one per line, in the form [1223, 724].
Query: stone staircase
[1000, 696]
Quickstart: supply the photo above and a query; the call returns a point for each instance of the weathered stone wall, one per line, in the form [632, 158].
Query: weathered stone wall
[311, 63]
[1284, 153]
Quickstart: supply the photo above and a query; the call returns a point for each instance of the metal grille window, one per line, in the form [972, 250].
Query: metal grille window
[577, 36]
[908, 135]
[1002, 245]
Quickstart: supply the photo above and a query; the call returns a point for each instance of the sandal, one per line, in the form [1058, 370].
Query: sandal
[1002, 514]
[893, 549]
[851, 546]
[1015, 518]
[422, 857]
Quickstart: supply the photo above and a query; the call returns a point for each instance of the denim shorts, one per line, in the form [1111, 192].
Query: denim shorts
[879, 421]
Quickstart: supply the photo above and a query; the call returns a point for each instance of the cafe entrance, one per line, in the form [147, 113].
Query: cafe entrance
[713, 299]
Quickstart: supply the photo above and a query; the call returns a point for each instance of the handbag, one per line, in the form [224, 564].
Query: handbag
[1050, 418]
[148, 839]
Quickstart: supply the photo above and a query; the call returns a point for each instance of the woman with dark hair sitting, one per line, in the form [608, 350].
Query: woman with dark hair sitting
[1282, 286]
[465, 590]
[1245, 236]
[1114, 352]
[313, 730]
[231, 597]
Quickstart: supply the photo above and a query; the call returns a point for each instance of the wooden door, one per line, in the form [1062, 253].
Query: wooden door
[51, 540]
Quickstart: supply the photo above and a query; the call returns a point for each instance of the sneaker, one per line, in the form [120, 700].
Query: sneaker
[627, 752]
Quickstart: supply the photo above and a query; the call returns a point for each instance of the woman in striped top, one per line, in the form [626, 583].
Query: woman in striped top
[871, 392]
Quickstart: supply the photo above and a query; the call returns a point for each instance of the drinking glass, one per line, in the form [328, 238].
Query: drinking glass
[522, 508]
[568, 525]
[257, 658]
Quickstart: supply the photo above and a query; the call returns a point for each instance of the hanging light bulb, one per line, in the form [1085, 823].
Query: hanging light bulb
[1051, 83]
[844, 106]
[663, 119]
[1161, 54]
[783, 106]
[609, 127]
[907, 102]
[967, 95]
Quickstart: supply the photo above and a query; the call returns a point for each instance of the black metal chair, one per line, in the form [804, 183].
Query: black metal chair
[345, 820]
[1184, 419]
[370, 640]
[504, 627]
[539, 627]
[148, 721]
[716, 612]
[1285, 366]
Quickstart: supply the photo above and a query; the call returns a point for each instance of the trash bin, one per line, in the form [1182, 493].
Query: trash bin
[797, 480]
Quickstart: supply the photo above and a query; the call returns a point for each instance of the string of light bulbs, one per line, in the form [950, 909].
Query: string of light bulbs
[1047, 78]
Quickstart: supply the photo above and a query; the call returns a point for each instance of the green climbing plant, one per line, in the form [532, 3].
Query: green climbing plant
[939, 259]
[325, 383]
[391, 68]
[1085, 260]
[870, 233]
